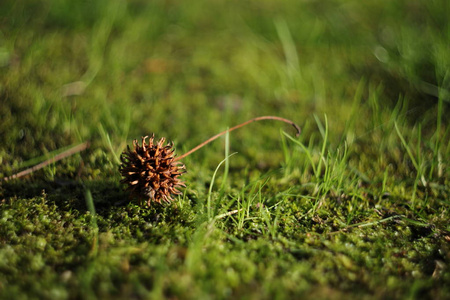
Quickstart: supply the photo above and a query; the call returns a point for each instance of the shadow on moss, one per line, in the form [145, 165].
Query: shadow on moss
[68, 194]
[111, 201]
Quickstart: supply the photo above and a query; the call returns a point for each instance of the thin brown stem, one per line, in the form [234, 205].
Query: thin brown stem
[60, 156]
[237, 127]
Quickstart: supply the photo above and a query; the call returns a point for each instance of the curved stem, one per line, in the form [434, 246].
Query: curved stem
[237, 127]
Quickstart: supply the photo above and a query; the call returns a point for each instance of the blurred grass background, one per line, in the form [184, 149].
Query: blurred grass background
[184, 70]
[374, 74]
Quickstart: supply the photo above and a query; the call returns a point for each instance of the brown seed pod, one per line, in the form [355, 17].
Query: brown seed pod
[150, 170]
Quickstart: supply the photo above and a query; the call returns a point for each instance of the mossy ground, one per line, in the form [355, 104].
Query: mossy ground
[356, 207]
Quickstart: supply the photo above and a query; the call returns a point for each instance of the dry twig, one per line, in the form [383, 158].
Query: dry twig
[56, 158]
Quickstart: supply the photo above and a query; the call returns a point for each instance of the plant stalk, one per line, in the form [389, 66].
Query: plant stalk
[56, 158]
[237, 127]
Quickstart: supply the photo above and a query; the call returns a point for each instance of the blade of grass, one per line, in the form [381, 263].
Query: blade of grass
[306, 150]
[212, 184]
[108, 142]
[407, 148]
[91, 208]
[324, 132]
[227, 162]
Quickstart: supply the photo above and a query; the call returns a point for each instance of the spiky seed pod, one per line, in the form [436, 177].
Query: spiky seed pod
[151, 171]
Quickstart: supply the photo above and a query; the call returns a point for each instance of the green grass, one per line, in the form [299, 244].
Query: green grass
[356, 207]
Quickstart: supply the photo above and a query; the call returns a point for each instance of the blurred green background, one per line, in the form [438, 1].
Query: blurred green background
[71, 71]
